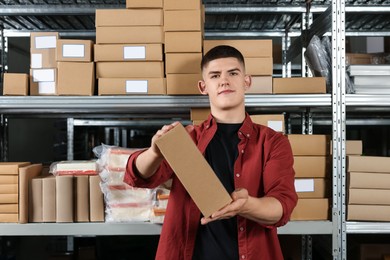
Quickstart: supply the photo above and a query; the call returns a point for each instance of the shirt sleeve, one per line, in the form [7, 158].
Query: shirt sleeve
[279, 176]
[132, 177]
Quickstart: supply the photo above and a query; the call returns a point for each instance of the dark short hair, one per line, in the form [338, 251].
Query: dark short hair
[221, 51]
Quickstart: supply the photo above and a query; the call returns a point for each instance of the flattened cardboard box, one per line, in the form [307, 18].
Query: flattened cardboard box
[26, 174]
[132, 86]
[130, 34]
[368, 164]
[369, 196]
[183, 84]
[11, 167]
[368, 180]
[128, 69]
[299, 85]
[183, 41]
[129, 52]
[144, 4]
[248, 48]
[193, 171]
[368, 212]
[129, 17]
[312, 166]
[15, 84]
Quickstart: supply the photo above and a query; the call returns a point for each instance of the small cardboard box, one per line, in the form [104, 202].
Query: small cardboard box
[132, 86]
[358, 58]
[182, 4]
[369, 196]
[43, 40]
[129, 52]
[259, 66]
[81, 207]
[312, 166]
[43, 58]
[96, 202]
[298, 85]
[64, 199]
[248, 48]
[183, 20]
[313, 188]
[183, 42]
[74, 50]
[183, 84]
[128, 69]
[309, 144]
[76, 78]
[26, 174]
[311, 209]
[276, 122]
[15, 84]
[49, 199]
[260, 85]
[130, 34]
[368, 212]
[352, 147]
[129, 17]
[183, 63]
[43, 81]
[368, 180]
[193, 171]
[144, 4]
[368, 164]
[36, 199]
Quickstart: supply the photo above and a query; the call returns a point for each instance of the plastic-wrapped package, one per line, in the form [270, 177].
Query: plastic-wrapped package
[74, 167]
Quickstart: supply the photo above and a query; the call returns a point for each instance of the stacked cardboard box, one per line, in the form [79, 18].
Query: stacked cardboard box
[183, 30]
[312, 184]
[9, 191]
[258, 61]
[129, 49]
[76, 72]
[299, 85]
[15, 84]
[43, 67]
[368, 188]
[66, 198]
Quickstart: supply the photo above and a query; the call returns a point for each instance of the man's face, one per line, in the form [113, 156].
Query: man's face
[225, 82]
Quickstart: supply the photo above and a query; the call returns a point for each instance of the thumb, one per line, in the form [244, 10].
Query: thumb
[239, 193]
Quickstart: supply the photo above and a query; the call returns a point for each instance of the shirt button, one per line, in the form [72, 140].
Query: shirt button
[242, 256]
[237, 175]
[248, 135]
[242, 151]
[241, 229]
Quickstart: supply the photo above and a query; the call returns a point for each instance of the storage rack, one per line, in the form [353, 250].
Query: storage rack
[232, 19]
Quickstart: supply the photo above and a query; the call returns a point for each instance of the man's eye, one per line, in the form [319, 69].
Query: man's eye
[214, 76]
[233, 73]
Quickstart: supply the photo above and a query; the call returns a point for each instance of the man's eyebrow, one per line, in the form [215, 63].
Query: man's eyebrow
[234, 69]
[218, 72]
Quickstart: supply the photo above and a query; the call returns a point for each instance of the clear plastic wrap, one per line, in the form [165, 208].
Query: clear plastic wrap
[74, 167]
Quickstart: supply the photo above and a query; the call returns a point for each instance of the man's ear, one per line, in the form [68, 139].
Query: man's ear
[247, 82]
[202, 87]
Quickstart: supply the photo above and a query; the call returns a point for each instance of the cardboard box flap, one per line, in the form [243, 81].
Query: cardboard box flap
[193, 171]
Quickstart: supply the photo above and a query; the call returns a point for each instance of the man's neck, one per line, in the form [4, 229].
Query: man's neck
[229, 116]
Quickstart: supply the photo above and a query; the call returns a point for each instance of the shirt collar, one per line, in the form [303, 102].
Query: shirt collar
[246, 129]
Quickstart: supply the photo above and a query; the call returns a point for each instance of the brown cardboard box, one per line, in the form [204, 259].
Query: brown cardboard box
[199, 113]
[311, 209]
[248, 48]
[129, 17]
[43, 40]
[131, 86]
[76, 78]
[183, 42]
[36, 199]
[368, 180]
[130, 34]
[313, 85]
[81, 188]
[64, 199]
[9, 188]
[74, 50]
[313, 188]
[368, 164]
[12, 168]
[309, 144]
[49, 199]
[124, 69]
[183, 63]
[9, 208]
[129, 52]
[43, 81]
[183, 20]
[26, 174]
[312, 166]
[9, 198]
[9, 179]
[96, 203]
[368, 212]
[193, 170]
[9, 218]
[183, 84]
[260, 85]
[358, 58]
[43, 58]
[144, 4]
[276, 122]
[182, 4]
[15, 84]
[261, 66]
[369, 196]
[354, 147]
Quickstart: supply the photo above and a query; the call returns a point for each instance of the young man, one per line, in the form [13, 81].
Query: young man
[254, 163]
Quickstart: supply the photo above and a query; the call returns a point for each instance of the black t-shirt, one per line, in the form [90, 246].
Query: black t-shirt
[218, 239]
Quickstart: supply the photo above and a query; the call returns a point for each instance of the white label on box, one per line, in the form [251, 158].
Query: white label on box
[47, 87]
[73, 51]
[36, 60]
[43, 75]
[134, 52]
[276, 125]
[304, 185]
[45, 42]
[136, 86]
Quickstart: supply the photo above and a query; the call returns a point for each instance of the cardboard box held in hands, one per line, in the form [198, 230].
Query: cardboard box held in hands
[193, 171]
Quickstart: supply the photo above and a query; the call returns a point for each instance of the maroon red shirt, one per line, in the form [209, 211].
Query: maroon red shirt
[264, 167]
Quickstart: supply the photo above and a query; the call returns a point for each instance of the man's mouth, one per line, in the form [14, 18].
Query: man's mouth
[226, 91]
